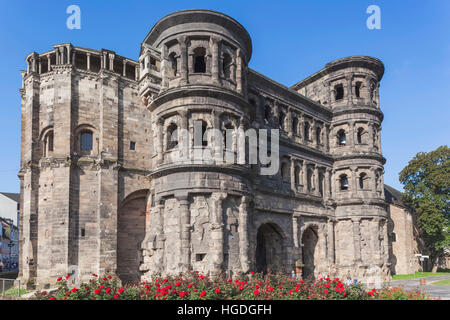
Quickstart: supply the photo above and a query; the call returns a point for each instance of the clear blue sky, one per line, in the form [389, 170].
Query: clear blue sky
[291, 40]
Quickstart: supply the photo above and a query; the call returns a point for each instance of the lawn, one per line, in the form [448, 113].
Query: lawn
[418, 275]
[445, 282]
[12, 292]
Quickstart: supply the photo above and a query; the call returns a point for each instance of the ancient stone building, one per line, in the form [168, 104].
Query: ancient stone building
[100, 189]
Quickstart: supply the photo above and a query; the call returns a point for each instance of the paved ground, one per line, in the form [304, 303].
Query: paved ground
[433, 291]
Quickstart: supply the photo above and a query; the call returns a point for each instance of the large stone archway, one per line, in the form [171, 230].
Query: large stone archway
[130, 233]
[270, 248]
[310, 239]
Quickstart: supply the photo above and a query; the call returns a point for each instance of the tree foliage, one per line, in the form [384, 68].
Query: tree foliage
[426, 181]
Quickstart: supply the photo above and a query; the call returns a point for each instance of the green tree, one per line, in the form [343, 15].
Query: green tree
[426, 181]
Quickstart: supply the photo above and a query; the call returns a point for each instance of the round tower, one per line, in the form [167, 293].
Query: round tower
[193, 79]
[358, 190]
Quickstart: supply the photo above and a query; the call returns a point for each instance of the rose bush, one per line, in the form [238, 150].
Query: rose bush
[195, 286]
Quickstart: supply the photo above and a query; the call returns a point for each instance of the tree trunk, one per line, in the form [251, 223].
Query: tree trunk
[435, 264]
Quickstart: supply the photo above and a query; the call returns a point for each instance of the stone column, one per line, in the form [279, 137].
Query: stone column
[327, 138]
[354, 184]
[326, 187]
[293, 186]
[124, 73]
[49, 62]
[68, 54]
[331, 248]
[351, 133]
[164, 67]
[289, 123]
[305, 176]
[349, 89]
[185, 232]
[374, 181]
[61, 55]
[376, 248]
[40, 66]
[74, 58]
[215, 69]
[316, 180]
[183, 60]
[243, 234]
[239, 77]
[356, 239]
[88, 61]
[216, 233]
[159, 140]
[111, 61]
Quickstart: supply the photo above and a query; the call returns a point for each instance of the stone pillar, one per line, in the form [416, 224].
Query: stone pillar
[374, 181]
[74, 58]
[326, 187]
[349, 89]
[356, 239]
[331, 248]
[354, 184]
[183, 60]
[289, 123]
[159, 140]
[370, 138]
[124, 68]
[185, 232]
[40, 66]
[68, 54]
[316, 180]
[243, 234]
[327, 138]
[239, 76]
[376, 248]
[215, 69]
[164, 67]
[61, 55]
[351, 133]
[111, 61]
[49, 62]
[216, 233]
[305, 176]
[293, 186]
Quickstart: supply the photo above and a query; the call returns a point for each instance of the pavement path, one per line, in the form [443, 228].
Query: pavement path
[434, 291]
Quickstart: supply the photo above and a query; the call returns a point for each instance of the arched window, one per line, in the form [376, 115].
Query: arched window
[339, 92]
[228, 136]
[343, 182]
[306, 130]
[309, 179]
[199, 60]
[342, 139]
[172, 136]
[321, 183]
[267, 113]
[86, 141]
[226, 65]
[359, 136]
[297, 175]
[358, 89]
[318, 135]
[173, 63]
[362, 178]
[282, 120]
[295, 125]
[48, 143]
[285, 171]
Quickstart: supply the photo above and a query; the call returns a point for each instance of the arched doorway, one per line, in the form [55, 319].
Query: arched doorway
[310, 240]
[130, 234]
[270, 249]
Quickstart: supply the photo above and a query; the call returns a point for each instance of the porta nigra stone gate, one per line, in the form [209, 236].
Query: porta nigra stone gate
[99, 188]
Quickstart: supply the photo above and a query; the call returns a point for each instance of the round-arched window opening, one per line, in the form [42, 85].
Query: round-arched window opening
[173, 64]
[343, 180]
[200, 60]
[362, 178]
[86, 141]
[342, 139]
[172, 136]
[267, 113]
[359, 137]
[306, 130]
[282, 121]
[226, 66]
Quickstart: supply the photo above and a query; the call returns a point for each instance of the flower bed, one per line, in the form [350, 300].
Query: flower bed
[199, 287]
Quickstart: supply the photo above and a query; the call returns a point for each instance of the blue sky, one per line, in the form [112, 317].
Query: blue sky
[291, 40]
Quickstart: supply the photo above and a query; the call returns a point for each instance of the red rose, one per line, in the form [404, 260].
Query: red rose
[67, 277]
[203, 293]
[178, 284]
[241, 288]
[116, 296]
[189, 285]
[97, 291]
[217, 290]
[59, 279]
[147, 292]
[108, 290]
[256, 292]
[325, 291]
[252, 272]
[109, 277]
[52, 298]
[120, 290]
[370, 293]
[74, 290]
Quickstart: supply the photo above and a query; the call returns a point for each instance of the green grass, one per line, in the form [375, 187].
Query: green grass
[12, 292]
[417, 275]
[445, 282]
